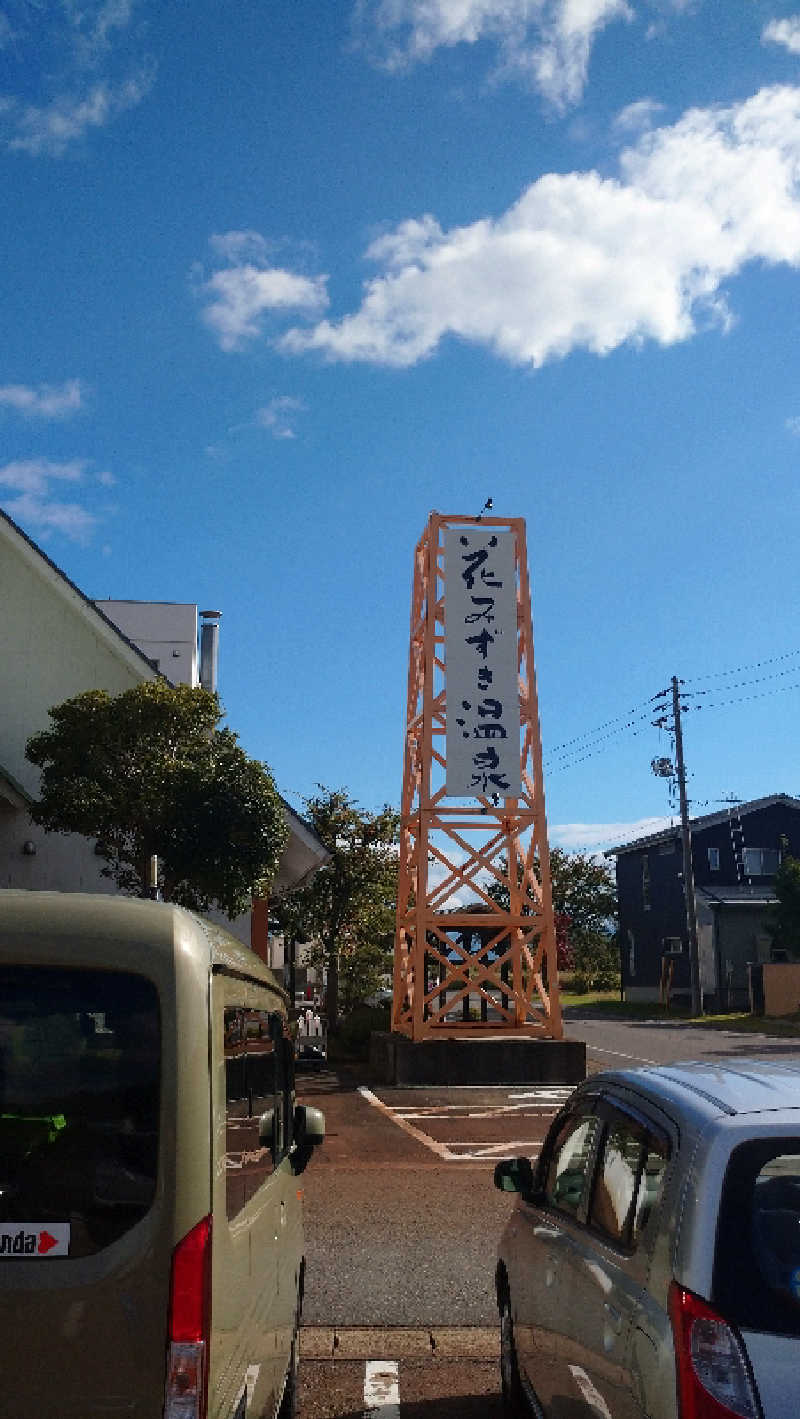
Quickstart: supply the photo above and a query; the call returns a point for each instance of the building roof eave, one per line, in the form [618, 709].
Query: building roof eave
[707, 820]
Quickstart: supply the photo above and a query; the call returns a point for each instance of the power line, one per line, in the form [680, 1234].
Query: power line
[744, 699]
[739, 669]
[568, 761]
[739, 684]
[589, 734]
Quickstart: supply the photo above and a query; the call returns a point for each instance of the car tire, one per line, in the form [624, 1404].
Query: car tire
[510, 1382]
[289, 1404]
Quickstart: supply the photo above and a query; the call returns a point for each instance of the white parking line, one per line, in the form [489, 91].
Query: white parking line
[439, 1149]
[637, 1058]
[480, 1152]
[381, 1390]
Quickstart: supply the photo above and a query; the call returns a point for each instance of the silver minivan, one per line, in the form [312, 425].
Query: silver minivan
[651, 1269]
[151, 1232]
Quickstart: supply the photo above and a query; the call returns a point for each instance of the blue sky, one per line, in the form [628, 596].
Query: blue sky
[279, 279]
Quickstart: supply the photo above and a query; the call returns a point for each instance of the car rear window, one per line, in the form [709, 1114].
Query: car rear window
[757, 1259]
[80, 1058]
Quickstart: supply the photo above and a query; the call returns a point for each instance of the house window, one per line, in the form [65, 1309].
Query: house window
[673, 943]
[760, 861]
[631, 954]
[646, 883]
[713, 859]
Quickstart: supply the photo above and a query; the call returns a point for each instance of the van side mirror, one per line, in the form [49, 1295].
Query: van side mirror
[514, 1175]
[309, 1132]
[266, 1130]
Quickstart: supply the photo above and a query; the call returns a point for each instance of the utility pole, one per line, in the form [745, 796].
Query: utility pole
[688, 870]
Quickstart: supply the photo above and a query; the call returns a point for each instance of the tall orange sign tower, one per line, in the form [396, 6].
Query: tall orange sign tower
[475, 948]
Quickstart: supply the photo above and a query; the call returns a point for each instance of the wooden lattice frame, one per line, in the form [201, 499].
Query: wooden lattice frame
[471, 843]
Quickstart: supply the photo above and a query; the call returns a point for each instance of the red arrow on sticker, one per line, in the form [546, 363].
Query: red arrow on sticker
[46, 1242]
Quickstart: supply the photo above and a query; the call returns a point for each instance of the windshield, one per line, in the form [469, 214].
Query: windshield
[79, 1099]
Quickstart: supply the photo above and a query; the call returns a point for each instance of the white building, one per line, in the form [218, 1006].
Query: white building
[55, 643]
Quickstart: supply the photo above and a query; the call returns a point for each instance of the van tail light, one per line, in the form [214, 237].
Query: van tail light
[713, 1374]
[189, 1325]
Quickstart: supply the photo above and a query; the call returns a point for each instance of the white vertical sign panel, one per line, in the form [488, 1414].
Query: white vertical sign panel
[483, 750]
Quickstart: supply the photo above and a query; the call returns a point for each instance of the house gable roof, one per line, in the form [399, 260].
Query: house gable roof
[67, 588]
[708, 820]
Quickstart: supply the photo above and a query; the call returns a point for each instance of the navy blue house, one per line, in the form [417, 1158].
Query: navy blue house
[735, 855]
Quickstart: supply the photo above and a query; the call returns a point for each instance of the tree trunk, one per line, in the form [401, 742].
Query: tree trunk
[332, 991]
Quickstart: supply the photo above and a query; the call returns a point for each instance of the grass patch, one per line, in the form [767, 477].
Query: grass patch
[608, 1006]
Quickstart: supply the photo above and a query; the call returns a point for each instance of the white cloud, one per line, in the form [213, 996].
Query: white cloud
[33, 475]
[784, 32]
[591, 837]
[638, 117]
[588, 262]
[547, 41]
[278, 416]
[247, 289]
[46, 401]
[112, 15]
[793, 425]
[29, 481]
[239, 247]
[52, 127]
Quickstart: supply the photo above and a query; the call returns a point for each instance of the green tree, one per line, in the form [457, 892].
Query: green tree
[585, 909]
[784, 926]
[149, 771]
[349, 904]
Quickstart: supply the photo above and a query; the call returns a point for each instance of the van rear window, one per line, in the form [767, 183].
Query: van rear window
[757, 1262]
[80, 1054]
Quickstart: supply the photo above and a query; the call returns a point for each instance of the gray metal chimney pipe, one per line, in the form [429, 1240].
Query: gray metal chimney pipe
[209, 649]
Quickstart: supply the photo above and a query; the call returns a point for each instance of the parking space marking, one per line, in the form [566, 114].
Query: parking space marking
[381, 1389]
[416, 1133]
[487, 1151]
[478, 1152]
[617, 1054]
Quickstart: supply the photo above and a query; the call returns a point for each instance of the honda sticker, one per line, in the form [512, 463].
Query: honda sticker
[34, 1239]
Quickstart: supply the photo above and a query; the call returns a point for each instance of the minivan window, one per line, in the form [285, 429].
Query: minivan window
[257, 1079]
[757, 1259]
[80, 1065]
[570, 1161]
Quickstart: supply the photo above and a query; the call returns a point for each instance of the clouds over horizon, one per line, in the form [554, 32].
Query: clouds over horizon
[546, 43]
[596, 837]
[27, 493]
[582, 260]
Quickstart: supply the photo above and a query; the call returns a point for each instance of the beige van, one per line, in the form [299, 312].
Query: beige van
[151, 1239]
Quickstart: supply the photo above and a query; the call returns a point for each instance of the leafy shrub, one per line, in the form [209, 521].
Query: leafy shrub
[351, 1040]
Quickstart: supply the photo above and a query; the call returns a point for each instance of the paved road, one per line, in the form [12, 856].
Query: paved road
[402, 1224]
[615, 1044]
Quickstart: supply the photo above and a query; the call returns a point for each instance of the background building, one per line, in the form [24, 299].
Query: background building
[54, 643]
[735, 855]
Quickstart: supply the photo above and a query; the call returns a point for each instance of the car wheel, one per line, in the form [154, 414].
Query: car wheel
[288, 1407]
[513, 1396]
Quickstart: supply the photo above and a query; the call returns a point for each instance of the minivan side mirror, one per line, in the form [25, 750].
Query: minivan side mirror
[266, 1130]
[309, 1132]
[514, 1175]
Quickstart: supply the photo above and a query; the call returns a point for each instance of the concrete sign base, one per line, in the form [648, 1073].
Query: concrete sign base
[504, 1059]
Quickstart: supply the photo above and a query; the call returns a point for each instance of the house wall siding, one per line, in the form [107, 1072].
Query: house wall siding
[51, 651]
[666, 916]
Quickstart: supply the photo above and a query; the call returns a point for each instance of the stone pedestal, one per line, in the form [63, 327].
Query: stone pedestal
[499, 1059]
